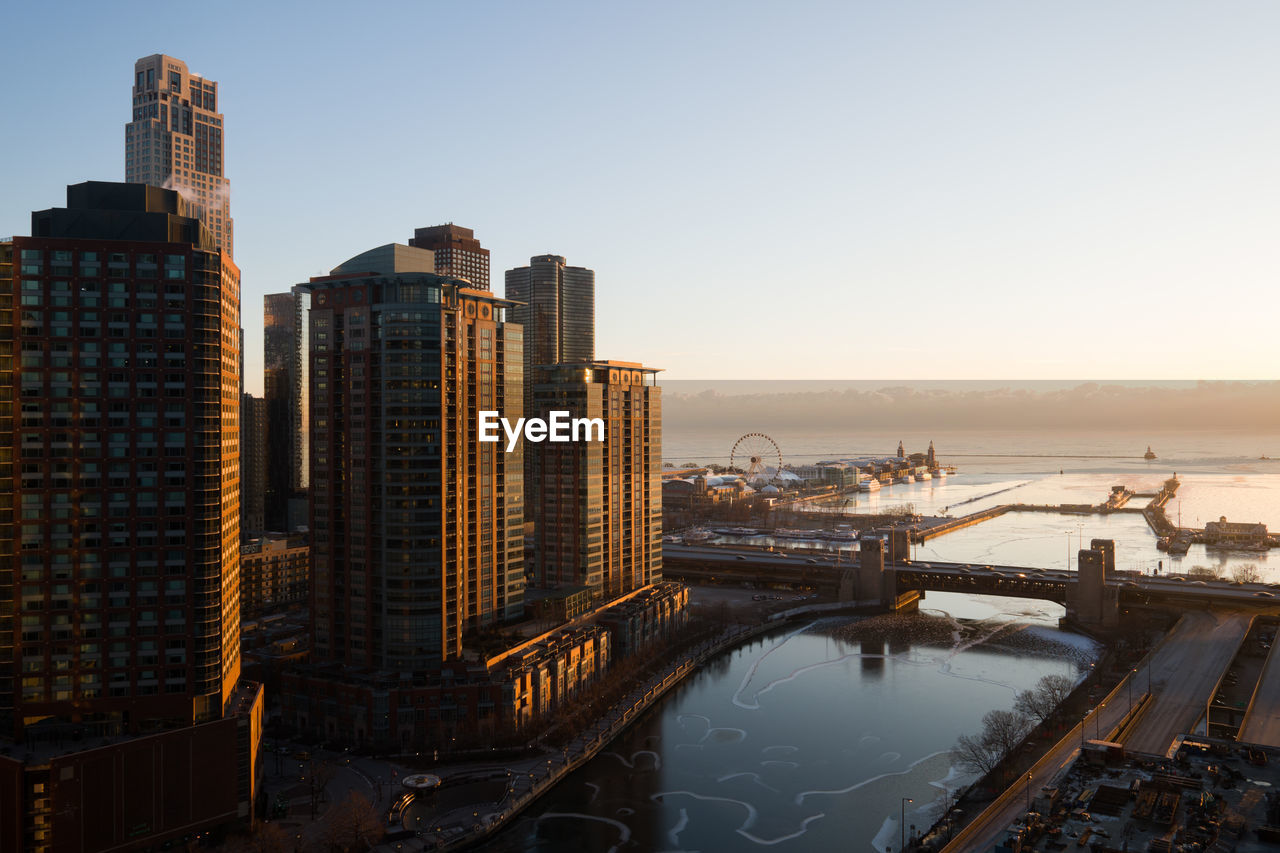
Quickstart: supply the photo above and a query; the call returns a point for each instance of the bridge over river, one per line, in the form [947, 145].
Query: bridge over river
[1094, 596]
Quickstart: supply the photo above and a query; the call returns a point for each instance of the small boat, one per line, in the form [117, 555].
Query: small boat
[869, 486]
[924, 475]
[698, 535]
[939, 473]
[1150, 454]
[736, 531]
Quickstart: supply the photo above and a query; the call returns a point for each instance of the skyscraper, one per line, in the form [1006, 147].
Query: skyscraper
[557, 307]
[128, 555]
[417, 526]
[253, 465]
[597, 505]
[8, 486]
[286, 393]
[457, 252]
[175, 141]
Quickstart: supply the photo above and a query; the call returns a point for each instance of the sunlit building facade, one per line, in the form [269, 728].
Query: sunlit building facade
[556, 305]
[417, 526]
[126, 580]
[457, 252]
[175, 140]
[597, 505]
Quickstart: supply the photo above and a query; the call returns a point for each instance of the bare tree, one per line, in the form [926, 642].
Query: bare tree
[1042, 700]
[1246, 573]
[975, 754]
[319, 775]
[1204, 572]
[1005, 729]
[353, 824]
[1001, 732]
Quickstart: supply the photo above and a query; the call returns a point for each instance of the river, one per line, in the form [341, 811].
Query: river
[808, 739]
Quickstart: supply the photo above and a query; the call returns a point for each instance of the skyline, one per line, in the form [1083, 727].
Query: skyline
[1065, 173]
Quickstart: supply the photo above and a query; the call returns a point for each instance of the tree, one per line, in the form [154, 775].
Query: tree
[353, 824]
[1246, 573]
[1207, 573]
[319, 775]
[1042, 700]
[1001, 732]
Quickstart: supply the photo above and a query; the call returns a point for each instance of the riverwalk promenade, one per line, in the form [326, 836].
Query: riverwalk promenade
[528, 779]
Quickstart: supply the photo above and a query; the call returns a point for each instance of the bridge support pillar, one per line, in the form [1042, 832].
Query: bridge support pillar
[899, 546]
[871, 576]
[1090, 602]
[873, 582]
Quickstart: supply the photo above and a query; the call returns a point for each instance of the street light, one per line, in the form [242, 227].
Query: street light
[1028, 792]
[1083, 720]
[902, 823]
[1132, 675]
[1098, 718]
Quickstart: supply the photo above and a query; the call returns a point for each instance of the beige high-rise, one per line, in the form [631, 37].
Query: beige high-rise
[175, 140]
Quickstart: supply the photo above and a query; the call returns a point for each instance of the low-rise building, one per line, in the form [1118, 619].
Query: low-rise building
[480, 696]
[1223, 532]
[275, 572]
[651, 615]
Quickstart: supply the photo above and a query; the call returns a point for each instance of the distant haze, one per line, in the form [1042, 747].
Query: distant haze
[819, 405]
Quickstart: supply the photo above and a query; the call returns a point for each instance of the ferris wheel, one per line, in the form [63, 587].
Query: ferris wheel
[754, 454]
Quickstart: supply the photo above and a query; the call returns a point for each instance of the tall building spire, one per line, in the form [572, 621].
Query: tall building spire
[174, 140]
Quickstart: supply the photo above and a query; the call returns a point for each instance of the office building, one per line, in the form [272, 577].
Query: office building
[175, 141]
[596, 506]
[253, 465]
[128, 553]
[284, 348]
[457, 252]
[556, 305]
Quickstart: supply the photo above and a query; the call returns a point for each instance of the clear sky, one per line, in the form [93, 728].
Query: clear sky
[765, 190]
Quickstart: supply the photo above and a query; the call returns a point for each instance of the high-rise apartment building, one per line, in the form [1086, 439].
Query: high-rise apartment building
[597, 505]
[8, 486]
[416, 526]
[286, 393]
[457, 252]
[126, 588]
[175, 141]
[556, 304]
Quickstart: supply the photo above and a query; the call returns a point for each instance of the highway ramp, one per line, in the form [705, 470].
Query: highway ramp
[1185, 671]
[1262, 721]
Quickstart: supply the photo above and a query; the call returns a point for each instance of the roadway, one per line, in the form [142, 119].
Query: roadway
[1262, 721]
[992, 826]
[1185, 671]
